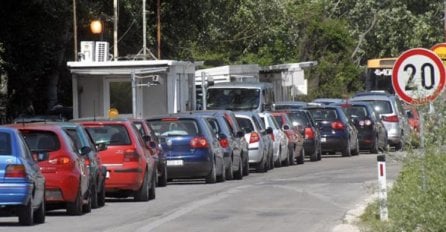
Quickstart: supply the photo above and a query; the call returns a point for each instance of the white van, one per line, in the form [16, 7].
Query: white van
[240, 96]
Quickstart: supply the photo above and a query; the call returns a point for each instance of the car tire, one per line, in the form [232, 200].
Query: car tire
[75, 208]
[278, 162]
[222, 176]
[143, 193]
[347, 152]
[229, 171]
[356, 150]
[374, 148]
[162, 180]
[315, 156]
[26, 214]
[271, 161]
[94, 197]
[39, 214]
[212, 177]
[245, 166]
[152, 190]
[86, 208]
[301, 158]
[101, 195]
[291, 158]
[238, 175]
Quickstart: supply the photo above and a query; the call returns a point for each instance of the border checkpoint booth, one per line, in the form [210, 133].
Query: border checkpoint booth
[139, 88]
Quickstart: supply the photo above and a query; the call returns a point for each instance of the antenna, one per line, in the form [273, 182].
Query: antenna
[94, 110]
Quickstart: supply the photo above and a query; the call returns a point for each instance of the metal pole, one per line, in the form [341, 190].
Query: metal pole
[144, 39]
[133, 94]
[203, 90]
[444, 19]
[115, 30]
[158, 31]
[75, 30]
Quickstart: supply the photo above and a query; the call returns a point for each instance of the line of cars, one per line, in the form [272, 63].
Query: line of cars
[76, 165]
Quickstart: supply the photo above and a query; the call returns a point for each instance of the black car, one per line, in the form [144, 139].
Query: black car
[338, 134]
[235, 149]
[307, 127]
[372, 133]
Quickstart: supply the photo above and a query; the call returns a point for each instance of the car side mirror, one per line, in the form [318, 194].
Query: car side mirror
[85, 150]
[269, 130]
[146, 138]
[40, 156]
[240, 134]
[222, 136]
[285, 127]
[101, 146]
[152, 144]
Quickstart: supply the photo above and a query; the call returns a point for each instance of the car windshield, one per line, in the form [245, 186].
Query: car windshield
[5, 144]
[41, 140]
[178, 127]
[233, 99]
[110, 134]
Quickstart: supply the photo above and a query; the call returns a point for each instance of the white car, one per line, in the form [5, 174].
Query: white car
[279, 138]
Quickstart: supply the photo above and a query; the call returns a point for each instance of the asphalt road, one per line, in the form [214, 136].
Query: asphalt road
[310, 197]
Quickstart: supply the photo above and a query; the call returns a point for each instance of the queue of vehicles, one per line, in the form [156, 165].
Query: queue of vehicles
[76, 165]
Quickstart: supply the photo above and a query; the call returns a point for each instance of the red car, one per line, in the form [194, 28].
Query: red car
[65, 170]
[295, 138]
[130, 166]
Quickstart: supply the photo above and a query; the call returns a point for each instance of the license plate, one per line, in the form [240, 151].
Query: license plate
[107, 174]
[323, 140]
[175, 163]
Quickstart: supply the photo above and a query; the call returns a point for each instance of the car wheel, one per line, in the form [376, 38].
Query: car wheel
[94, 197]
[246, 166]
[278, 162]
[271, 161]
[212, 177]
[261, 167]
[75, 208]
[101, 195]
[291, 157]
[301, 158]
[143, 193]
[222, 176]
[238, 175]
[26, 214]
[286, 162]
[229, 171]
[374, 148]
[152, 190]
[347, 151]
[39, 214]
[356, 150]
[162, 180]
[86, 208]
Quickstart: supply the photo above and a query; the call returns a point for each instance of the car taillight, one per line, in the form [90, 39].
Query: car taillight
[61, 160]
[224, 143]
[254, 137]
[337, 125]
[392, 118]
[130, 155]
[87, 162]
[309, 133]
[15, 171]
[366, 122]
[199, 142]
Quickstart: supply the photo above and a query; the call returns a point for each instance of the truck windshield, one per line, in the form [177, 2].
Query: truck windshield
[233, 99]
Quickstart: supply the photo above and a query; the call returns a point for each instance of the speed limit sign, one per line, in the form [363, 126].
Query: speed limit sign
[418, 76]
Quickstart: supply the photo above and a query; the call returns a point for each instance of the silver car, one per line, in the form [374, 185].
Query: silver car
[255, 134]
[279, 138]
[392, 114]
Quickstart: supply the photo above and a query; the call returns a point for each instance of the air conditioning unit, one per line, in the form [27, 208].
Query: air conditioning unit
[101, 51]
[87, 51]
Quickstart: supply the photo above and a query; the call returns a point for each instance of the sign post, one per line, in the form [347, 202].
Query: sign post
[382, 188]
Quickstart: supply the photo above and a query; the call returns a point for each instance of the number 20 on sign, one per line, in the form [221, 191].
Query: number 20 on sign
[418, 76]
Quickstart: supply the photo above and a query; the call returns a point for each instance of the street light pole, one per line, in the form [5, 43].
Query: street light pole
[115, 30]
[74, 30]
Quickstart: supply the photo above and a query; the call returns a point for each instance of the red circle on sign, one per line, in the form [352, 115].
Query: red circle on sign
[418, 52]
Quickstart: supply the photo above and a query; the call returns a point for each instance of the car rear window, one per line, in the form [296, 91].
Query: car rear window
[245, 124]
[5, 144]
[180, 127]
[110, 134]
[298, 118]
[41, 140]
[356, 111]
[382, 107]
[324, 114]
